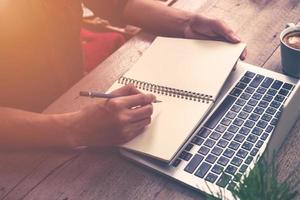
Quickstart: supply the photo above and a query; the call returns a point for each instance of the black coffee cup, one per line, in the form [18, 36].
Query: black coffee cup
[290, 56]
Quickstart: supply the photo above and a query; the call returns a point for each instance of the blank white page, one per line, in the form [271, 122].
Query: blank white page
[199, 66]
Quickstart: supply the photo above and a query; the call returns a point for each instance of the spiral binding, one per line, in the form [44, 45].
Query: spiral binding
[158, 89]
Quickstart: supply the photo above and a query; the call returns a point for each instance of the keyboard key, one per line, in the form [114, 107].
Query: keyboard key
[204, 132]
[259, 110]
[226, 121]
[259, 143]
[269, 129]
[228, 136]
[239, 138]
[261, 90]
[243, 168]
[252, 102]
[283, 92]
[287, 86]
[254, 152]
[238, 122]
[252, 138]
[243, 115]
[277, 84]
[176, 162]
[248, 108]
[241, 85]
[278, 114]
[266, 117]
[217, 169]
[228, 153]
[244, 131]
[256, 81]
[262, 124]
[268, 98]
[236, 161]
[185, 155]
[197, 140]
[254, 117]
[193, 164]
[224, 180]
[233, 129]
[222, 143]
[231, 115]
[271, 111]
[264, 136]
[223, 161]
[211, 177]
[263, 104]
[231, 169]
[279, 98]
[249, 123]
[211, 159]
[237, 177]
[234, 145]
[209, 143]
[245, 80]
[217, 151]
[242, 153]
[245, 96]
[236, 108]
[219, 113]
[257, 96]
[249, 74]
[247, 145]
[236, 92]
[250, 90]
[274, 121]
[275, 104]
[248, 160]
[267, 82]
[203, 169]
[240, 102]
[220, 128]
[272, 92]
[189, 147]
[257, 131]
[215, 135]
[203, 150]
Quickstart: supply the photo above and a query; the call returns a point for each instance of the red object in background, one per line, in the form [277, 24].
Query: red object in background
[98, 46]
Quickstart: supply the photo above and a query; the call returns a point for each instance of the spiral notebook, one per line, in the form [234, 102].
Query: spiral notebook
[186, 75]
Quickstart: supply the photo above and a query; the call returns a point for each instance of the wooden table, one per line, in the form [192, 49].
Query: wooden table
[106, 175]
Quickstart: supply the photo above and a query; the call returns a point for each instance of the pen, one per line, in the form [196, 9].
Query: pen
[102, 95]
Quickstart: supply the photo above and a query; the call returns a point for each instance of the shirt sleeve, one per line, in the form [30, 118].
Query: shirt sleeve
[111, 10]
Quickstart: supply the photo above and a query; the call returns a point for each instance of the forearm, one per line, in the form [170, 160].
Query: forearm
[21, 130]
[157, 18]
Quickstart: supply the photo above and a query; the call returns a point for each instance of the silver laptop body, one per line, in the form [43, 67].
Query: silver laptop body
[290, 111]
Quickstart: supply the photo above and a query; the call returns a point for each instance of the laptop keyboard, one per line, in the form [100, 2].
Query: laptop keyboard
[233, 135]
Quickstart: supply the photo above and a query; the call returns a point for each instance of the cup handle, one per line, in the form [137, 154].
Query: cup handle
[289, 25]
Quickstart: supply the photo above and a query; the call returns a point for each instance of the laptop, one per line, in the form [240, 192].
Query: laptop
[255, 112]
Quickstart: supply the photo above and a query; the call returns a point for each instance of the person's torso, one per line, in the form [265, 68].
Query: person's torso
[40, 52]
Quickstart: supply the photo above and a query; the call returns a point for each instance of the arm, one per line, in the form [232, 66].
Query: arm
[105, 123]
[168, 21]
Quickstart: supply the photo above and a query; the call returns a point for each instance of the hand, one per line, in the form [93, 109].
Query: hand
[201, 27]
[113, 121]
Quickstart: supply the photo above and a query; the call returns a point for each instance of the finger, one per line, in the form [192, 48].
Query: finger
[140, 113]
[139, 125]
[244, 54]
[126, 90]
[223, 30]
[136, 100]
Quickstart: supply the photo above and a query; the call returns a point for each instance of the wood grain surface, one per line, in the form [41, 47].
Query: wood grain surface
[106, 175]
